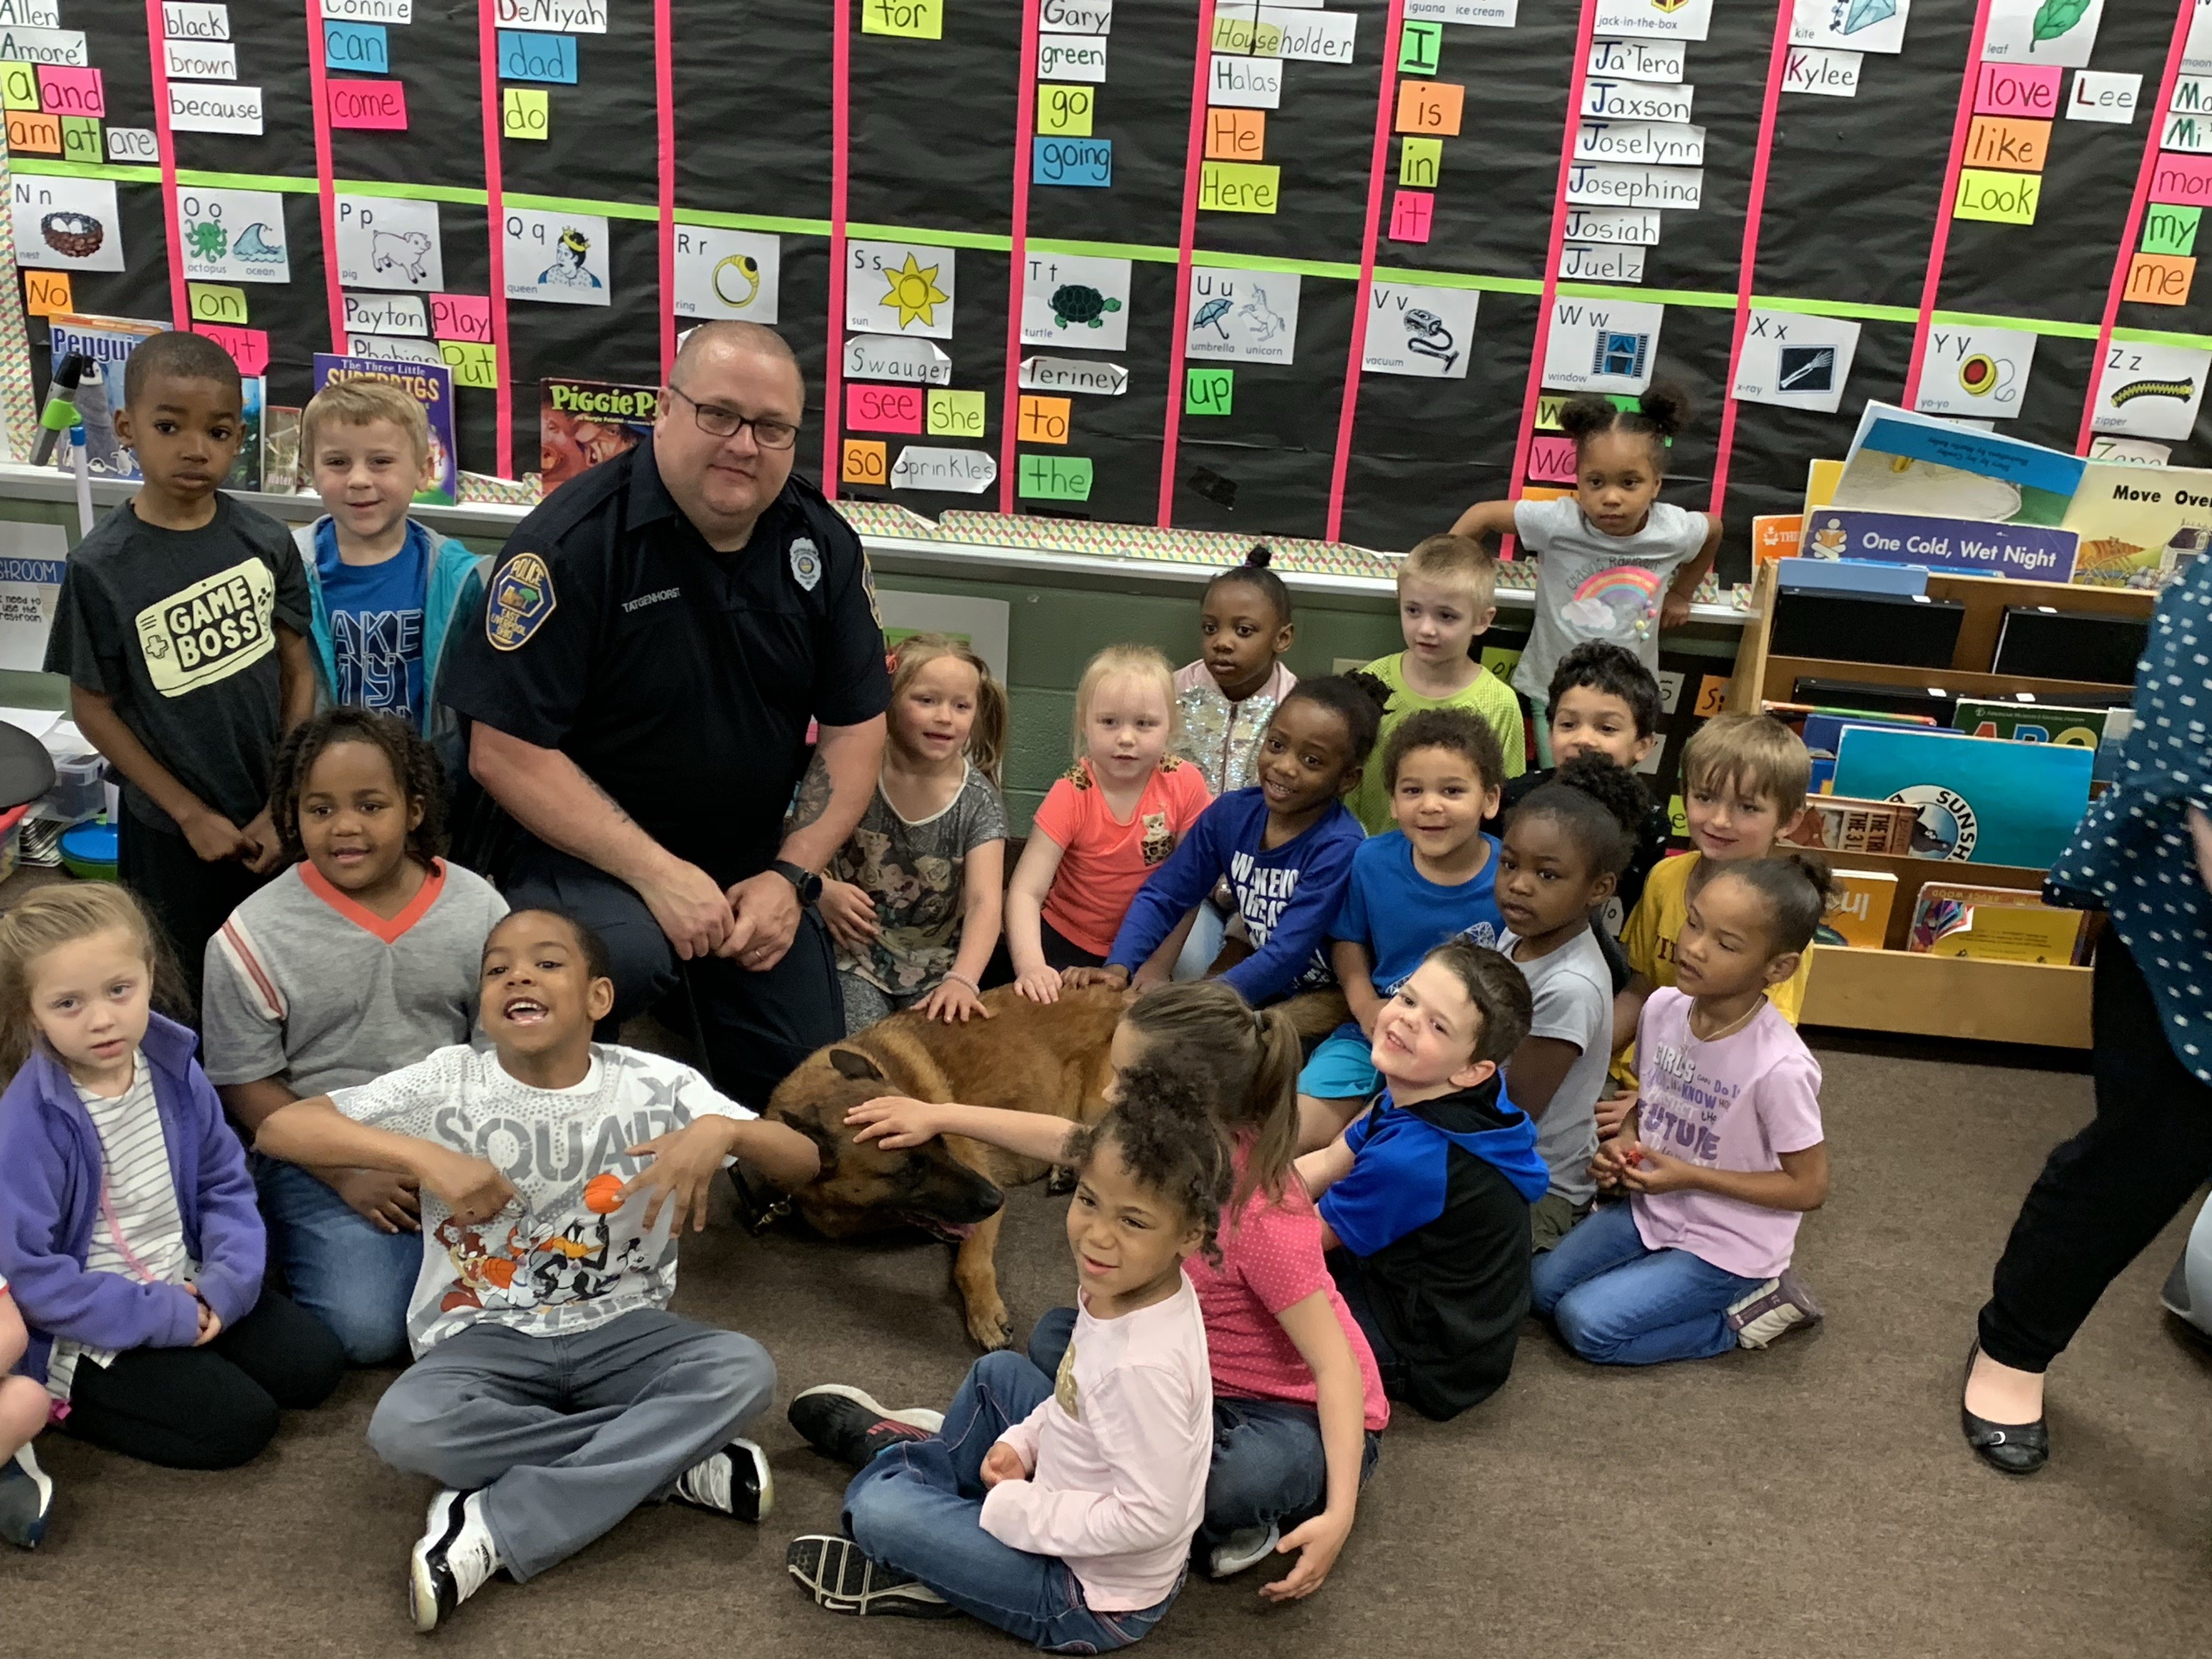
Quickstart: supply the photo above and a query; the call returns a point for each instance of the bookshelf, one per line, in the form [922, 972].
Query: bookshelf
[1915, 994]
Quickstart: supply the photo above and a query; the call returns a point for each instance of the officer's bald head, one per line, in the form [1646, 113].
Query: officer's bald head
[716, 340]
[724, 482]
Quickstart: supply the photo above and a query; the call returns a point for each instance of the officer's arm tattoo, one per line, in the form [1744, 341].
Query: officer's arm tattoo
[812, 800]
[614, 807]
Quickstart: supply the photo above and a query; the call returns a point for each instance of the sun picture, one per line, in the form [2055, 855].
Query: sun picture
[913, 290]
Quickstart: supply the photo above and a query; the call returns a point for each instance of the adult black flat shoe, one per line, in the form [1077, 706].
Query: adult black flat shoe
[2014, 1448]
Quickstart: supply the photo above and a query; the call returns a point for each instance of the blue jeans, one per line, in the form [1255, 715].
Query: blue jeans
[1270, 1467]
[341, 1267]
[918, 1507]
[1617, 1302]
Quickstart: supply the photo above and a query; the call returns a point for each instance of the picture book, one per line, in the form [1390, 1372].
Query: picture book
[1824, 729]
[2140, 527]
[583, 423]
[1838, 537]
[2019, 929]
[1901, 462]
[1859, 918]
[1942, 905]
[1975, 801]
[2031, 722]
[107, 340]
[430, 384]
[246, 471]
[279, 449]
[1840, 824]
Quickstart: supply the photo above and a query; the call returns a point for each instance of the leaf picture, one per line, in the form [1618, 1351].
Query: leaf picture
[2056, 17]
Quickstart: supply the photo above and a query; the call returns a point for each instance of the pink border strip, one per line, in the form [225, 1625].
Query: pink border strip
[1017, 257]
[2126, 261]
[180, 304]
[1778, 68]
[1942, 244]
[494, 223]
[664, 90]
[1171, 429]
[1376, 182]
[1523, 443]
[841, 139]
[325, 170]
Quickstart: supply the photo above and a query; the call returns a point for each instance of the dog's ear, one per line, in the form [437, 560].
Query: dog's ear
[851, 1063]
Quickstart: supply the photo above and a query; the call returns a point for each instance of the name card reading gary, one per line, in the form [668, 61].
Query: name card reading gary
[2026, 552]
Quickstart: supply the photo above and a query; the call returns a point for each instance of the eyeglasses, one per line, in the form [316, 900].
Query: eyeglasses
[719, 423]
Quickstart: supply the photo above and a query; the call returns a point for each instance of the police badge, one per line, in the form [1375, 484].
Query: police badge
[805, 562]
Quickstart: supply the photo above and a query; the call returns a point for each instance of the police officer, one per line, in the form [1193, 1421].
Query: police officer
[657, 637]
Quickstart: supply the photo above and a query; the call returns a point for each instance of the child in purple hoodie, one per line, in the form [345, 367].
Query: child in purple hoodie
[128, 1232]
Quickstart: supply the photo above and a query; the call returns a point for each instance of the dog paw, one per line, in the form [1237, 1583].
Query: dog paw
[992, 1328]
[1060, 1182]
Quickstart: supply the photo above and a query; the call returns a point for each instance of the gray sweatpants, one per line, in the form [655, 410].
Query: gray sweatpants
[566, 1435]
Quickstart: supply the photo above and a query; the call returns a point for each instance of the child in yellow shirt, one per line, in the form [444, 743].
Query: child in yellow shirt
[1446, 591]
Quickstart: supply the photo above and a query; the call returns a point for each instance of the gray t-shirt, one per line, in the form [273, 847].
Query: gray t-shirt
[1590, 585]
[1572, 990]
[916, 873]
[304, 984]
[177, 627]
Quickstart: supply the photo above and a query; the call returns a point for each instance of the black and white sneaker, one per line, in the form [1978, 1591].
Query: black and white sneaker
[26, 1497]
[452, 1559]
[835, 1572]
[734, 1480]
[1242, 1550]
[1773, 1309]
[852, 1425]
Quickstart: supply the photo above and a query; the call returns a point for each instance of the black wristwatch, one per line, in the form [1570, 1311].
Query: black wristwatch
[804, 882]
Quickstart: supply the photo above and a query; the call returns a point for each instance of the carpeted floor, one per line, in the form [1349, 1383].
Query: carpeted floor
[1815, 1500]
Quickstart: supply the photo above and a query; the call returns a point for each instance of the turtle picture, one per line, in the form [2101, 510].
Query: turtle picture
[1075, 303]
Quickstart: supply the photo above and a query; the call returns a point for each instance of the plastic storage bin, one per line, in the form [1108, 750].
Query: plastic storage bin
[78, 792]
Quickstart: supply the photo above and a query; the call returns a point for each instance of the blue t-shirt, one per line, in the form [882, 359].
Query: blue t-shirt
[1400, 916]
[376, 623]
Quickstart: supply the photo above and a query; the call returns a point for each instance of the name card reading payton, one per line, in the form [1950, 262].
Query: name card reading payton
[963, 471]
[43, 46]
[182, 21]
[1072, 58]
[1665, 143]
[1637, 60]
[370, 11]
[1600, 184]
[560, 16]
[196, 107]
[886, 357]
[1072, 374]
[2024, 552]
[1076, 17]
[1636, 100]
[195, 60]
[1633, 226]
[387, 314]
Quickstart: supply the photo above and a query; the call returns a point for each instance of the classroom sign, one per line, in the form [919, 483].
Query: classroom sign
[1965, 546]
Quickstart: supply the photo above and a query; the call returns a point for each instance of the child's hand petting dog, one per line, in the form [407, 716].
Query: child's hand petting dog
[1077, 979]
[1040, 985]
[1003, 1462]
[896, 1121]
[682, 1171]
[954, 998]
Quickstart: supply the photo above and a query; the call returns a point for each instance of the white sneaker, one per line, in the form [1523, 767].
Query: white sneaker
[734, 1480]
[452, 1559]
[1242, 1550]
[1773, 1309]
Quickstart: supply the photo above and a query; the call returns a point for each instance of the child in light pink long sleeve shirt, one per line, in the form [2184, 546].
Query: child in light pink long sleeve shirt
[1058, 1509]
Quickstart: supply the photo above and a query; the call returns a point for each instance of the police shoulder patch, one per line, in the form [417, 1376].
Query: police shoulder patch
[522, 597]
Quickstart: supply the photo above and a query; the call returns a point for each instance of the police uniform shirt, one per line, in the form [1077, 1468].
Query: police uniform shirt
[680, 679]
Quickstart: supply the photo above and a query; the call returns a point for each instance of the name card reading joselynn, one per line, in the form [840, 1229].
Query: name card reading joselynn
[2026, 552]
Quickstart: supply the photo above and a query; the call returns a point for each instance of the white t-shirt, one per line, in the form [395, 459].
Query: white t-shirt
[1590, 585]
[1571, 993]
[571, 1254]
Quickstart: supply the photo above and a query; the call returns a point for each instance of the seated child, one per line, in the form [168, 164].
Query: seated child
[1723, 1151]
[1603, 701]
[1744, 778]
[1411, 889]
[1284, 845]
[913, 896]
[552, 1391]
[1299, 1409]
[1424, 1199]
[1226, 696]
[128, 1233]
[1445, 602]
[356, 962]
[1102, 828]
[1059, 1507]
[386, 589]
[27, 1493]
[1562, 851]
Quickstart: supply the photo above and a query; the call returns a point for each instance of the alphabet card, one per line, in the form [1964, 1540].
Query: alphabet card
[233, 235]
[727, 274]
[560, 258]
[2149, 391]
[66, 224]
[1422, 331]
[2060, 32]
[1976, 372]
[1604, 345]
[899, 288]
[1796, 361]
[1655, 20]
[385, 241]
[1068, 300]
[1853, 25]
[1242, 316]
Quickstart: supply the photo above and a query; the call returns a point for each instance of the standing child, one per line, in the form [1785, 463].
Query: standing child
[1432, 877]
[552, 1391]
[1562, 851]
[26, 1492]
[1723, 1152]
[128, 1233]
[1058, 1506]
[1424, 1199]
[913, 897]
[355, 963]
[1446, 600]
[1284, 845]
[182, 628]
[1227, 696]
[386, 589]
[1614, 562]
[1109, 824]
[1298, 1408]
